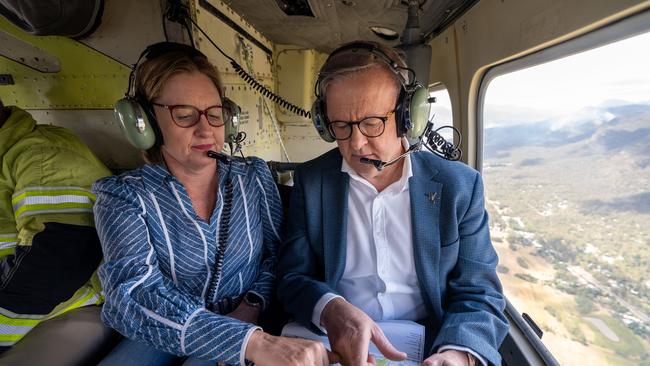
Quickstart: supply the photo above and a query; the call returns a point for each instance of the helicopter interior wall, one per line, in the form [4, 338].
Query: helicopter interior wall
[94, 72]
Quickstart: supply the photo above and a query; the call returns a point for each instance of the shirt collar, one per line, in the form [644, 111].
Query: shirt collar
[399, 186]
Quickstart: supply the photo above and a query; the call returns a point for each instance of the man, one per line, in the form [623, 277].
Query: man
[407, 242]
[48, 245]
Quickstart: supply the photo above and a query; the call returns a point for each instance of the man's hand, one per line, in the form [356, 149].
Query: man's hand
[267, 350]
[350, 331]
[450, 357]
[245, 313]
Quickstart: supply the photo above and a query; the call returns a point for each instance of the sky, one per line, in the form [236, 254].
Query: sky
[567, 88]
[614, 74]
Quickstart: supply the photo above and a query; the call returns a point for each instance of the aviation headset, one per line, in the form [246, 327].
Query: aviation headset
[411, 110]
[135, 113]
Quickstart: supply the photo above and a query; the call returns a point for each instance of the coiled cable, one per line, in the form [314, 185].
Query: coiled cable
[222, 244]
[267, 93]
[250, 80]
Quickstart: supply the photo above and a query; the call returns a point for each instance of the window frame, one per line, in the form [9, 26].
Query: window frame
[522, 345]
[624, 28]
[439, 87]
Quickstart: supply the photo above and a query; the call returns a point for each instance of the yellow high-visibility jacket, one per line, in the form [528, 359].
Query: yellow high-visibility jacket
[45, 177]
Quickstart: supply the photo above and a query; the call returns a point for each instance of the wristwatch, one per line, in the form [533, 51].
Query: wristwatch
[253, 300]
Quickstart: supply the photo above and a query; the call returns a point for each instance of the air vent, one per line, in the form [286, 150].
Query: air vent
[295, 7]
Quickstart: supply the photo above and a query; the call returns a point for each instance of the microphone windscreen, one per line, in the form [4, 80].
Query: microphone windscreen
[219, 156]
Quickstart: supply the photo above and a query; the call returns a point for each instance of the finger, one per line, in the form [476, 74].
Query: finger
[333, 357]
[434, 360]
[385, 347]
[372, 360]
[358, 352]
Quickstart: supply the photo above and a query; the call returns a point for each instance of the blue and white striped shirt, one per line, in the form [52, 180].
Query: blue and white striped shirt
[159, 257]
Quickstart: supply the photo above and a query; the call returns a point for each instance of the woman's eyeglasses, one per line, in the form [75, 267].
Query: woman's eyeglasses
[186, 116]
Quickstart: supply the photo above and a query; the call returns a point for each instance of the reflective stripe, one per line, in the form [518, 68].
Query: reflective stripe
[50, 191]
[89, 297]
[8, 340]
[8, 241]
[4, 313]
[12, 330]
[7, 244]
[47, 200]
[6, 252]
[14, 326]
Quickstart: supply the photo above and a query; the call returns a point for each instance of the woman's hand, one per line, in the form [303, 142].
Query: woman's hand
[448, 358]
[266, 350]
[245, 313]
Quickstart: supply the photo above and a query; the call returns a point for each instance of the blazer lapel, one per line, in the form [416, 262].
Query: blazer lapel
[335, 208]
[425, 196]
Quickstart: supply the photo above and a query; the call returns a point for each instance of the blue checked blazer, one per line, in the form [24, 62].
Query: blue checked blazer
[159, 257]
[454, 257]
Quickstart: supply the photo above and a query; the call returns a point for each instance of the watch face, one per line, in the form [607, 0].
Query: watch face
[253, 299]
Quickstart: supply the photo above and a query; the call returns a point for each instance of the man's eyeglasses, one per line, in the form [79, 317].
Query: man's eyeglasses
[369, 127]
[186, 116]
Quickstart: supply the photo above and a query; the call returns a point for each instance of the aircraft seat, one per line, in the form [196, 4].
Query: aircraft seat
[77, 337]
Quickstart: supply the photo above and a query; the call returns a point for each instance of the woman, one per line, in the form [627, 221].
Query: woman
[190, 242]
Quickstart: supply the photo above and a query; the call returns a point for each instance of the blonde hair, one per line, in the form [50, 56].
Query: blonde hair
[153, 74]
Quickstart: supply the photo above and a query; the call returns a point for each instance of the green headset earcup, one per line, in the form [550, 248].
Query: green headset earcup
[418, 112]
[231, 113]
[319, 121]
[135, 123]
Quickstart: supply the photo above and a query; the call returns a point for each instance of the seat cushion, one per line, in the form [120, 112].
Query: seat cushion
[77, 337]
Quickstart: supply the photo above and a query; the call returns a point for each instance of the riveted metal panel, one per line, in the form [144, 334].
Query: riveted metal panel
[100, 131]
[86, 79]
[26, 54]
[256, 122]
[128, 27]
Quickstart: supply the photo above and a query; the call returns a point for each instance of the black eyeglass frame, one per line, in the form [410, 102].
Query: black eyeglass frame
[351, 124]
[203, 112]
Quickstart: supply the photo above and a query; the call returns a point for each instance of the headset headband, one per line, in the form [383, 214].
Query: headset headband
[412, 107]
[156, 50]
[372, 48]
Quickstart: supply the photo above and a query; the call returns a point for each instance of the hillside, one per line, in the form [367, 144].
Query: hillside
[570, 205]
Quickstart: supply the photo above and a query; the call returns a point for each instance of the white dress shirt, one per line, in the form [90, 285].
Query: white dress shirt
[379, 276]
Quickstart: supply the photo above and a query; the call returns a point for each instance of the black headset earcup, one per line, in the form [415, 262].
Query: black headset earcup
[231, 114]
[135, 123]
[320, 121]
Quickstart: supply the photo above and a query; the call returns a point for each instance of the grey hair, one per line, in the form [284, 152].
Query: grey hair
[355, 60]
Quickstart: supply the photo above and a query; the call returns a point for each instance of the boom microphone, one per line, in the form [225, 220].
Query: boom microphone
[219, 156]
[379, 165]
[432, 141]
